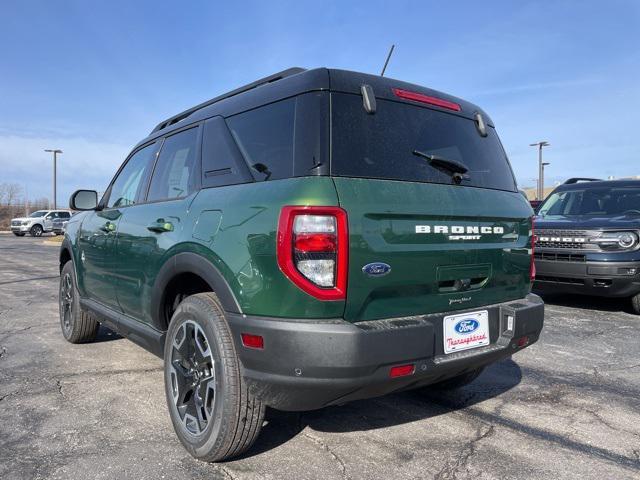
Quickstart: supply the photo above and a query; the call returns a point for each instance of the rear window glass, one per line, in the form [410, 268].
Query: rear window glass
[381, 145]
[265, 137]
[611, 201]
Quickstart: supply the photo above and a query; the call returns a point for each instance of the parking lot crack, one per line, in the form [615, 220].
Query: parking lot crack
[228, 473]
[3, 351]
[322, 444]
[451, 469]
[59, 387]
[13, 332]
[607, 424]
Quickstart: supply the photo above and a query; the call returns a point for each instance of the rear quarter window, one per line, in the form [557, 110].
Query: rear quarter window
[381, 145]
[265, 137]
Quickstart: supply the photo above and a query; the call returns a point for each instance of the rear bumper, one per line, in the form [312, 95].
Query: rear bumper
[610, 279]
[307, 365]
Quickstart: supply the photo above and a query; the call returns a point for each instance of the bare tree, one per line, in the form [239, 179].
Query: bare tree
[40, 204]
[3, 192]
[14, 190]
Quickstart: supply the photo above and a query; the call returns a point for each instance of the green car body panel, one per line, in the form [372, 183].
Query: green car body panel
[440, 242]
[382, 219]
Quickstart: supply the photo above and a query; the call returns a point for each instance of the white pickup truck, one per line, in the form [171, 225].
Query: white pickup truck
[38, 222]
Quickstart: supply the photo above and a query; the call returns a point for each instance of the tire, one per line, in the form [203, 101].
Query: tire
[456, 382]
[36, 231]
[77, 326]
[213, 414]
[18, 234]
[635, 304]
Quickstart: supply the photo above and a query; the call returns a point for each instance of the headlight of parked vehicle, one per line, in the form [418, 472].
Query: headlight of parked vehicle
[617, 240]
[25, 223]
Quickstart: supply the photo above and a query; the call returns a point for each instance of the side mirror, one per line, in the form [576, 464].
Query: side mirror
[84, 200]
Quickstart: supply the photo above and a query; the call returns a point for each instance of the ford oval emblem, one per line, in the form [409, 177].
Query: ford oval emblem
[376, 269]
[468, 325]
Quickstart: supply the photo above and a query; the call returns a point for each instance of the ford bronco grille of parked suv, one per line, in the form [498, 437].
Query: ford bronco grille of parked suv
[316, 237]
[587, 240]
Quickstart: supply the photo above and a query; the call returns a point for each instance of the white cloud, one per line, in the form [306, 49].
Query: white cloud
[83, 163]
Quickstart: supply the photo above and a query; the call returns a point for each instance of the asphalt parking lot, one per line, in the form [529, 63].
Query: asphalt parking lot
[566, 408]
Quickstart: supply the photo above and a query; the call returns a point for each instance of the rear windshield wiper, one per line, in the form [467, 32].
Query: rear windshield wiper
[458, 169]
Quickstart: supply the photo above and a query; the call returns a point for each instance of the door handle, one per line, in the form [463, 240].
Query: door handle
[108, 227]
[160, 226]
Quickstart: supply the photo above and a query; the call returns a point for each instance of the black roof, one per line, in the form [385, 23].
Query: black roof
[597, 184]
[295, 81]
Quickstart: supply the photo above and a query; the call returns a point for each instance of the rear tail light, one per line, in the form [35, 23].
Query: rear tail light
[312, 250]
[422, 98]
[532, 265]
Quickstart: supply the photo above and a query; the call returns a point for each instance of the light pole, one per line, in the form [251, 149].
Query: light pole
[55, 161]
[541, 166]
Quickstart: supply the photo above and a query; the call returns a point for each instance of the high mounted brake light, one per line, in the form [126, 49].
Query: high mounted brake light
[312, 249]
[422, 98]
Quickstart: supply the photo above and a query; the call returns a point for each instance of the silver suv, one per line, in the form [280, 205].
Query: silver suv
[38, 222]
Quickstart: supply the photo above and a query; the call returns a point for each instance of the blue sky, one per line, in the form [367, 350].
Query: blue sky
[93, 78]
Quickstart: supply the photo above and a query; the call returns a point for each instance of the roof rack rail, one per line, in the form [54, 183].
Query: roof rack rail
[581, 179]
[263, 81]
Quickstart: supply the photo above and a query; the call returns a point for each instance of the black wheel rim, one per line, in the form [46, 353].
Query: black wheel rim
[192, 377]
[37, 231]
[66, 301]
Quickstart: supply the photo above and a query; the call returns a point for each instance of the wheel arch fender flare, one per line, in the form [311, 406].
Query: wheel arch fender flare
[187, 262]
[66, 249]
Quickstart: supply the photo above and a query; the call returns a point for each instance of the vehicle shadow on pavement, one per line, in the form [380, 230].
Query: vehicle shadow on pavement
[106, 335]
[391, 410]
[587, 302]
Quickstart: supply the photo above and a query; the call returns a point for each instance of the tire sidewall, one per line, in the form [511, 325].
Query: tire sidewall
[223, 410]
[68, 269]
[36, 231]
[635, 303]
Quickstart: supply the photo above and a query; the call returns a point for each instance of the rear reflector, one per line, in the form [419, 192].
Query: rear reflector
[402, 370]
[523, 342]
[316, 242]
[420, 97]
[252, 341]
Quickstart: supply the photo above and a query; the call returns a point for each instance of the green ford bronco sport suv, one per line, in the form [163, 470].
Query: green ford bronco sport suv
[313, 238]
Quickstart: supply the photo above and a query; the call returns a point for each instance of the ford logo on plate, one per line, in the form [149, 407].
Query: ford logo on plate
[376, 269]
[468, 325]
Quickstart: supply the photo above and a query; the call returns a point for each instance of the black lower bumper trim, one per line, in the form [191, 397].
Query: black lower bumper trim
[307, 365]
[605, 279]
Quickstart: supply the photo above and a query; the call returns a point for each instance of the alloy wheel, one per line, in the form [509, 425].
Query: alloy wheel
[192, 375]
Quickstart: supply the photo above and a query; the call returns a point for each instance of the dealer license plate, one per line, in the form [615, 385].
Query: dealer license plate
[466, 330]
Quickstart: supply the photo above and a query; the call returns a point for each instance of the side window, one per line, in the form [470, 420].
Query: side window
[175, 172]
[265, 137]
[222, 162]
[125, 188]
[65, 215]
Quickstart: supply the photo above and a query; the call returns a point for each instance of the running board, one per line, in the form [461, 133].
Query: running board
[140, 333]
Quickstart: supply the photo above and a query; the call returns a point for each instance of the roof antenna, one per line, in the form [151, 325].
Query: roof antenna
[387, 60]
